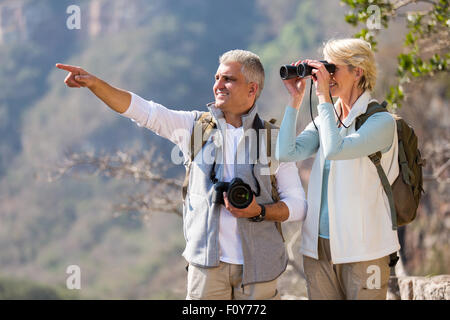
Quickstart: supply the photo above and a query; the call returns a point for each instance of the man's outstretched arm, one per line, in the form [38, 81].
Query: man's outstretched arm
[117, 99]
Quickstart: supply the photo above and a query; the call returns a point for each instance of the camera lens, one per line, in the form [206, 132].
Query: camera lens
[240, 196]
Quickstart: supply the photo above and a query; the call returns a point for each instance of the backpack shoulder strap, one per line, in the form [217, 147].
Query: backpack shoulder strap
[204, 125]
[268, 126]
[372, 108]
[376, 160]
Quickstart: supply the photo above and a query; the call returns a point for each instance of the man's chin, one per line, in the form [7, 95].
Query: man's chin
[219, 104]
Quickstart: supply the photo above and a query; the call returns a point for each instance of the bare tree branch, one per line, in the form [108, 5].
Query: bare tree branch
[146, 206]
[164, 194]
[438, 172]
[120, 165]
[403, 3]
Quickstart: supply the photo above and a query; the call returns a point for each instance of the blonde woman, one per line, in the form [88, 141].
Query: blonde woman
[347, 235]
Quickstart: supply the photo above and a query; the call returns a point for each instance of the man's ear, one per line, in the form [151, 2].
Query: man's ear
[253, 89]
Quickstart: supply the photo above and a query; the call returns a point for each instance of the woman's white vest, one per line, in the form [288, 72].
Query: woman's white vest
[360, 227]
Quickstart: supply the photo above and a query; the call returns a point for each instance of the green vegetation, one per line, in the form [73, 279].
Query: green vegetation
[426, 41]
[13, 289]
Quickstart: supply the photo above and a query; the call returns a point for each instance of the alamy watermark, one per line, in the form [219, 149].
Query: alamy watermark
[374, 20]
[74, 279]
[251, 148]
[374, 280]
[74, 19]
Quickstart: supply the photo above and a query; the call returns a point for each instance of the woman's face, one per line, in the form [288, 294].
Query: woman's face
[343, 81]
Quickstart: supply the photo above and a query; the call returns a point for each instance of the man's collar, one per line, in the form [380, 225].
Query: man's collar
[247, 119]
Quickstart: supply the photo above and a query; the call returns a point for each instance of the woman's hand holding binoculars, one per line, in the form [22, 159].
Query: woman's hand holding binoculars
[321, 78]
[294, 78]
[296, 88]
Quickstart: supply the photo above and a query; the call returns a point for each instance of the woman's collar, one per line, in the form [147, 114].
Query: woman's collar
[358, 108]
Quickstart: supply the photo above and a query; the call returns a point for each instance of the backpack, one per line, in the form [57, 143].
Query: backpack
[404, 194]
[207, 124]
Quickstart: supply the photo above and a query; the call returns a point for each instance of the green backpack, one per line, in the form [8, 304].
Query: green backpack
[206, 124]
[404, 194]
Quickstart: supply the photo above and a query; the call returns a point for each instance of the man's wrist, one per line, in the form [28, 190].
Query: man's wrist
[261, 216]
[95, 83]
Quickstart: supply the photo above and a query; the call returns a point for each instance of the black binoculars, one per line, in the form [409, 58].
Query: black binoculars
[302, 70]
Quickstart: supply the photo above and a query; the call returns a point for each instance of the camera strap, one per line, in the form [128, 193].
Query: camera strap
[212, 175]
[257, 125]
[310, 104]
[332, 102]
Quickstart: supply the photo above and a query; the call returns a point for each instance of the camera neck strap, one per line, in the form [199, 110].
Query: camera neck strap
[332, 102]
[257, 125]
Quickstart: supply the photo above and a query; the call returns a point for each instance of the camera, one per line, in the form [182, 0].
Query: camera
[238, 192]
[302, 70]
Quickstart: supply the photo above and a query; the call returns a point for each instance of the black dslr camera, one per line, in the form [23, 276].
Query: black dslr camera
[302, 70]
[238, 192]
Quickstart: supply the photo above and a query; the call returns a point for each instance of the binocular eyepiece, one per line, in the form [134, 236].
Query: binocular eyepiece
[302, 70]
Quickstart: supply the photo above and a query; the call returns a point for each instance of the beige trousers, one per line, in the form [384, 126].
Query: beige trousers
[225, 283]
[365, 280]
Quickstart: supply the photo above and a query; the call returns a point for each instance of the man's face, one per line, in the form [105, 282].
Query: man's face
[232, 92]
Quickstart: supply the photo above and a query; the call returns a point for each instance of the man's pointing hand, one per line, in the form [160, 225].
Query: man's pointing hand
[77, 77]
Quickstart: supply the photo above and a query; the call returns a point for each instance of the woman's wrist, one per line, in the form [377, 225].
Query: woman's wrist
[295, 102]
[323, 98]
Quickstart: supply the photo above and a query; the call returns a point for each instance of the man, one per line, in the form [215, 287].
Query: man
[232, 253]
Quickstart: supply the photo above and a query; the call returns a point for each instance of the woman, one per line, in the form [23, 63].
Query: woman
[347, 235]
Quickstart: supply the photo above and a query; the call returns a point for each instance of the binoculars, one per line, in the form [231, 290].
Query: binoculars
[302, 70]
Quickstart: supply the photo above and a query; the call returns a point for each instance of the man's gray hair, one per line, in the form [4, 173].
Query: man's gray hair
[252, 68]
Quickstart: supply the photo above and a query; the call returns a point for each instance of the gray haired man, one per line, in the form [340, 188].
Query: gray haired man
[233, 253]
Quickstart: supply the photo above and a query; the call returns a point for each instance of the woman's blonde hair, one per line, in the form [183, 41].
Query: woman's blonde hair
[354, 53]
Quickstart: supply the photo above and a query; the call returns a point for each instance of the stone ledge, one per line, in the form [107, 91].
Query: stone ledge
[424, 288]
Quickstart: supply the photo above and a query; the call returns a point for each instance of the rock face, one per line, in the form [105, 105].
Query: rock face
[425, 288]
[13, 22]
[22, 20]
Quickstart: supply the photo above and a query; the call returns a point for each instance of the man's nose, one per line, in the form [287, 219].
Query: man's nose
[220, 83]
